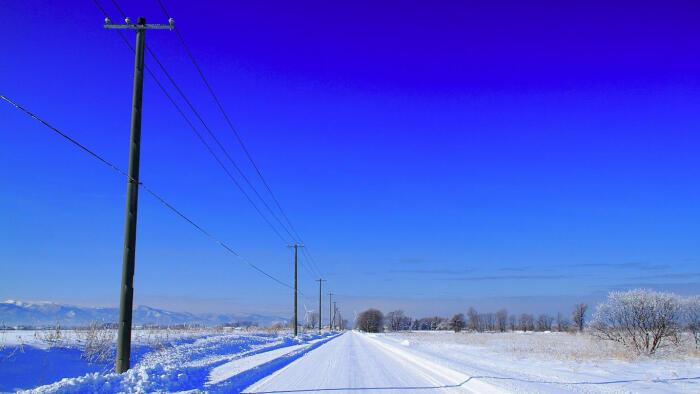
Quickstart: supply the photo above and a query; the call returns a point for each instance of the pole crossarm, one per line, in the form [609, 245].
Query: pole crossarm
[139, 26]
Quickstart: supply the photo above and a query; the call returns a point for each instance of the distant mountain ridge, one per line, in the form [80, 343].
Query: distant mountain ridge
[18, 313]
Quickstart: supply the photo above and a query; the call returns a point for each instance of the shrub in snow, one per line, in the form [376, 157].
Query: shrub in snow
[371, 320]
[640, 319]
[52, 338]
[97, 343]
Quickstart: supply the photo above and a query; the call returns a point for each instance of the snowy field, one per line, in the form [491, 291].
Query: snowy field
[162, 361]
[553, 362]
[261, 362]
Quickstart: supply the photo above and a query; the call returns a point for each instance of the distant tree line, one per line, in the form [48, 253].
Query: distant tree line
[640, 319]
[373, 320]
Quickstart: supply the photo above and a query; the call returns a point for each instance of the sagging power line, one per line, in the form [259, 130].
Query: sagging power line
[296, 237]
[307, 254]
[151, 192]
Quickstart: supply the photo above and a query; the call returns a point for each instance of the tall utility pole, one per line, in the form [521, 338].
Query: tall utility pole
[296, 249]
[330, 322]
[126, 301]
[319, 303]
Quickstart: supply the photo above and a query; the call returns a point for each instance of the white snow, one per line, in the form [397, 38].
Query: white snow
[246, 362]
[359, 362]
[354, 362]
[437, 361]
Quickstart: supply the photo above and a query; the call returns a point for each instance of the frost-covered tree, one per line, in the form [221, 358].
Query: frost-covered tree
[371, 320]
[457, 323]
[578, 315]
[691, 316]
[640, 319]
[311, 319]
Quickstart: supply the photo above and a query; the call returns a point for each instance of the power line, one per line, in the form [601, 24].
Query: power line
[235, 132]
[119, 9]
[311, 262]
[147, 189]
[199, 136]
[223, 149]
[194, 129]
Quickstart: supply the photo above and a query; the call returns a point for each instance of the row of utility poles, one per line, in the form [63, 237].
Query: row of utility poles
[331, 316]
[126, 301]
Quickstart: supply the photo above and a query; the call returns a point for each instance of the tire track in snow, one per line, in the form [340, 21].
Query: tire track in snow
[245, 362]
[358, 363]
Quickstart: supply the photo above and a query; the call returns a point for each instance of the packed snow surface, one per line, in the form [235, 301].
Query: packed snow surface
[442, 362]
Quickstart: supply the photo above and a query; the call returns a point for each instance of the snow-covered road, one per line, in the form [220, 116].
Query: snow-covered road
[357, 362]
[435, 362]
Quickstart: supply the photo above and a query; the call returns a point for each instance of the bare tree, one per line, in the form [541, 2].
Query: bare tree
[562, 322]
[578, 315]
[512, 322]
[395, 320]
[544, 322]
[473, 322]
[640, 319]
[371, 320]
[501, 320]
[526, 322]
[488, 321]
[457, 322]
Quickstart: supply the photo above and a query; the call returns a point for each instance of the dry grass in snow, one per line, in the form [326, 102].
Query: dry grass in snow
[554, 345]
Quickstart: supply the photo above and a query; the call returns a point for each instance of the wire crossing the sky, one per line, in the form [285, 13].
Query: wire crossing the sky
[148, 190]
[213, 136]
[240, 141]
[309, 259]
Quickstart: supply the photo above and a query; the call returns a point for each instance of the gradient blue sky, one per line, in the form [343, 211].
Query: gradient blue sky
[433, 155]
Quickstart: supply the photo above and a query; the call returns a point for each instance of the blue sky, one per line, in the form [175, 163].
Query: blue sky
[432, 156]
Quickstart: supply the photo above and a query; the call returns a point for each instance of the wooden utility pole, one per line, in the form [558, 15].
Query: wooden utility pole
[126, 301]
[330, 302]
[296, 249]
[319, 303]
[335, 324]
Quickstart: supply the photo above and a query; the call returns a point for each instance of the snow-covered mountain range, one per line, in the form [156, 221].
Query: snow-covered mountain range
[14, 313]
